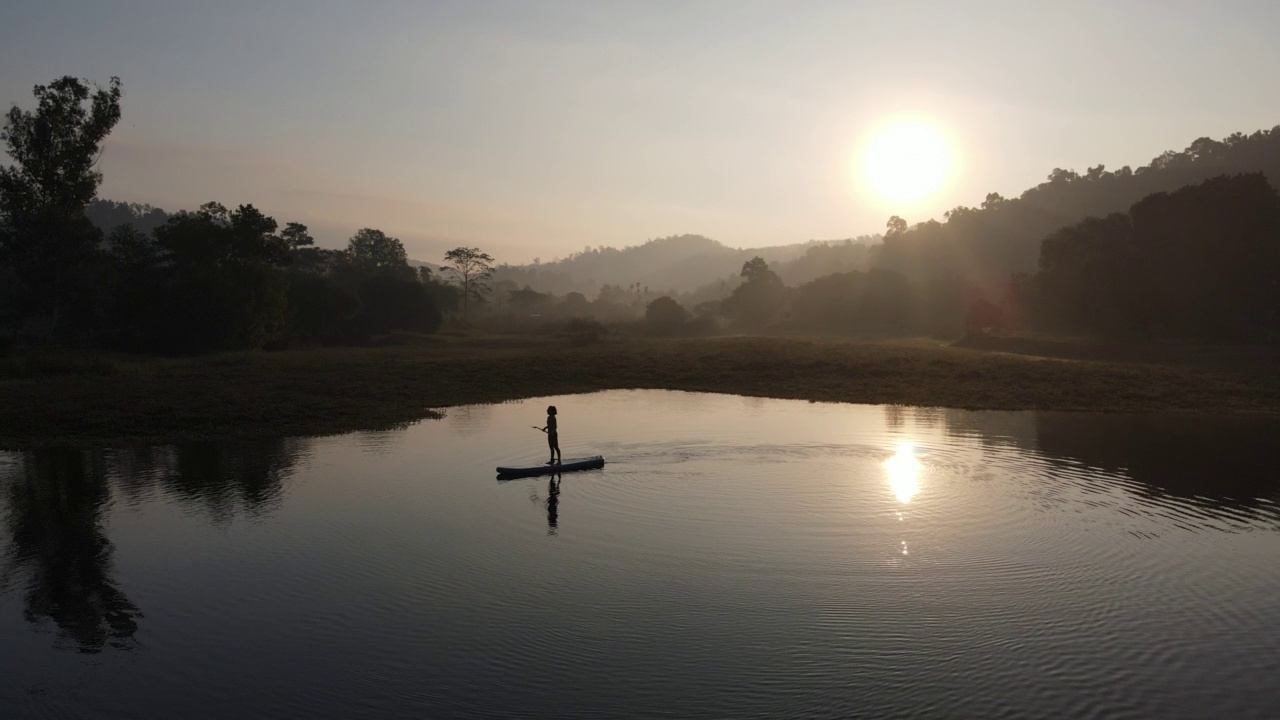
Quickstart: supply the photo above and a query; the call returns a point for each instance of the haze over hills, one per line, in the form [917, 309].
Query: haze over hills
[983, 244]
[1002, 236]
[679, 263]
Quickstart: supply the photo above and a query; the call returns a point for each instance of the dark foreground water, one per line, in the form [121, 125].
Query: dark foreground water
[736, 558]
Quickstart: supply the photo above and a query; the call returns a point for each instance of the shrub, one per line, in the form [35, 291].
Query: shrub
[664, 316]
[394, 304]
[585, 331]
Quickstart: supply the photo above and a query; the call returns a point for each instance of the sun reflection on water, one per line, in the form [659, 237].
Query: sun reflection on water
[904, 473]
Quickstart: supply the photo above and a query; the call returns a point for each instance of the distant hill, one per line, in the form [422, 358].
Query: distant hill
[680, 263]
[986, 244]
[983, 245]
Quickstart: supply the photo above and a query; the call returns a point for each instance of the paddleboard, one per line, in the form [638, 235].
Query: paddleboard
[570, 465]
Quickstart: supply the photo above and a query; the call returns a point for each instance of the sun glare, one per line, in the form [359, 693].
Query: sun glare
[907, 162]
[904, 473]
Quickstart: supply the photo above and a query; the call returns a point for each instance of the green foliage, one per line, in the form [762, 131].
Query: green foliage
[985, 315]
[691, 265]
[575, 303]
[397, 304]
[444, 295]
[759, 299]
[527, 300]
[1083, 272]
[585, 331]
[825, 259]
[896, 226]
[878, 301]
[981, 247]
[319, 310]
[107, 215]
[55, 148]
[45, 235]
[238, 307]
[665, 316]
[215, 237]
[207, 281]
[316, 261]
[136, 282]
[295, 236]
[372, 252]
[1200, 262]
[9, 316]
[471, 271]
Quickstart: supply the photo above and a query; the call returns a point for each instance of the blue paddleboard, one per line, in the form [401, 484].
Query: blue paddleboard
[590, 463]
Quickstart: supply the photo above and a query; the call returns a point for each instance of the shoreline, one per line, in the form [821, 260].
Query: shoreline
[112, 400]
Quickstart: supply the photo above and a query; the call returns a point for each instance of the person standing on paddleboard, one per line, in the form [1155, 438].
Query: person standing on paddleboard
[553, 439]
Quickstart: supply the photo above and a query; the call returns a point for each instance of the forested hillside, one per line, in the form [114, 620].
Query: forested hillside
[984, 245]
[1201, 262]
[976, 248]
[1186, 247]
[680, 264]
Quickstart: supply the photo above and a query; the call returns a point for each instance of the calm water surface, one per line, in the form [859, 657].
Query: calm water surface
[736, 557]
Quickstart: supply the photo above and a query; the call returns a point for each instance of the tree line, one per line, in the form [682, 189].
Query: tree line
[1004, 263]
[55, 500]
[1196, 258]
[195, 281]
[1200, 263]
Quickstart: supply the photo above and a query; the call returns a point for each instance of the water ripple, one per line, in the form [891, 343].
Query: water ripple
[734, 558]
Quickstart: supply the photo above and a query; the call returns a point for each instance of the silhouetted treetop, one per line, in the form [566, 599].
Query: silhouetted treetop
[107, 215]
[44, 234]
[470, 270]
[373, 250]
[55, 148]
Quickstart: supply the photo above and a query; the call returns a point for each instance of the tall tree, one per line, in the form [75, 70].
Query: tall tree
[44, 233]
[373, 251]
[295, 235]
[895, 226]
[759, 298]
[471, 270]
[665, 316]
[224, 287]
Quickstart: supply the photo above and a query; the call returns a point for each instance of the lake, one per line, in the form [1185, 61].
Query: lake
[736, 557]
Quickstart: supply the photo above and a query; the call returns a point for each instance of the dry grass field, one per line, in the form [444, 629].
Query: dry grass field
[52, 399]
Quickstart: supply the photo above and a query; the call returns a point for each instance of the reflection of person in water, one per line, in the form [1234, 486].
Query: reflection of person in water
[553, 505]
[553, 438]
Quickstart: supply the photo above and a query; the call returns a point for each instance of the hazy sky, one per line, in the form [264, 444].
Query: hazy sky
[532, 129]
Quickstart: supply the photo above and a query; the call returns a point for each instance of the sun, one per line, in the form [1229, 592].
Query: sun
[907, 162]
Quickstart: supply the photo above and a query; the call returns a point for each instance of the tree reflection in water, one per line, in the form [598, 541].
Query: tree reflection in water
[221, 478]
[1223, 465]
[56, 539]
[57, 543]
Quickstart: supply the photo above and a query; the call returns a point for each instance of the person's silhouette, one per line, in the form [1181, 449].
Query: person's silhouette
[553, 437]
[553, 505]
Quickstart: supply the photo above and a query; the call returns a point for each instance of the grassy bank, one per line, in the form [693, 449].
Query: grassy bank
[328, 391]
